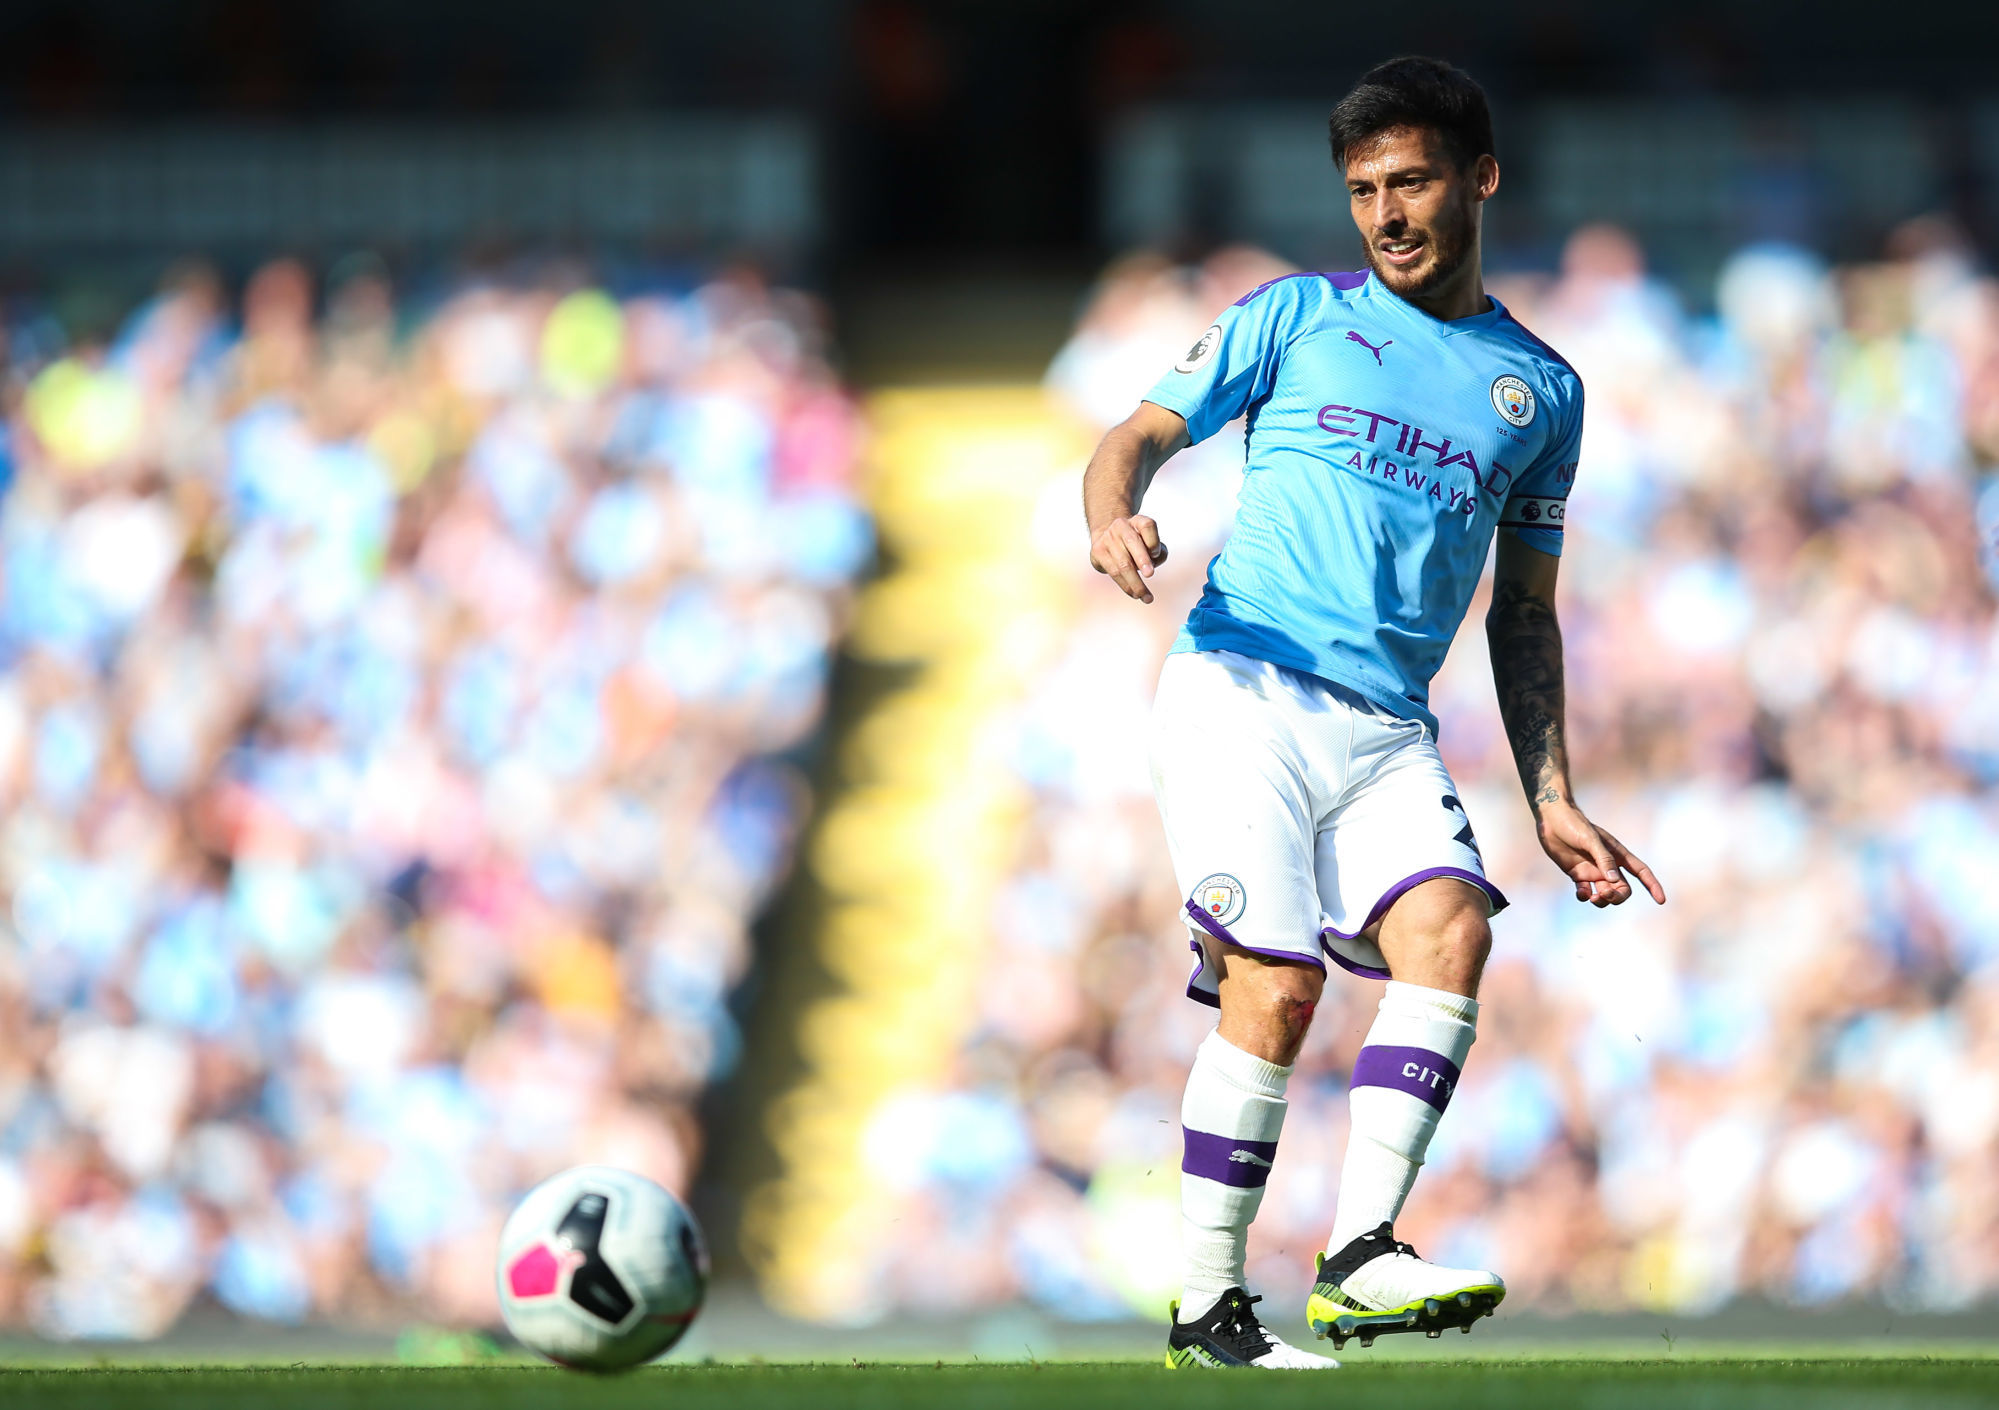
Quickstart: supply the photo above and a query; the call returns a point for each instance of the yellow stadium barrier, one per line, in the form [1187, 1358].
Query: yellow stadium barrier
[910, 850]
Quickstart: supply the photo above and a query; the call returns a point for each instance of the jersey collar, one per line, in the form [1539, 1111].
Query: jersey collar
[1445, 328]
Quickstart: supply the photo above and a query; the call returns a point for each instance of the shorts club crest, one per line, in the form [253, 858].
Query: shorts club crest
[1221, 896]
[1321, 803]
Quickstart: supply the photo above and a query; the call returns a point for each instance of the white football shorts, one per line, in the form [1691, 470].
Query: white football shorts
[1297, 811]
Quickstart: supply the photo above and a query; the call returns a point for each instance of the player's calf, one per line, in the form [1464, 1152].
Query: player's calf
[1401, 1083]
[1230, 1119]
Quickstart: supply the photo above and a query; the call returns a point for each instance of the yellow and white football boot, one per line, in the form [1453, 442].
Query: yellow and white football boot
[1376, 1285]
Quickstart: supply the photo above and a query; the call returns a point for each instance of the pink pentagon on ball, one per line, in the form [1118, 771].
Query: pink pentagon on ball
[535, 1273]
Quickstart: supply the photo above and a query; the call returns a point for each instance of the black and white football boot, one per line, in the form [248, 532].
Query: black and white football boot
[1376, 1285]
[1232, 1335]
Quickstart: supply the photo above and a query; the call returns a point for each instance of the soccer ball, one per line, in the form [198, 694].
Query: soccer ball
[600, 1269]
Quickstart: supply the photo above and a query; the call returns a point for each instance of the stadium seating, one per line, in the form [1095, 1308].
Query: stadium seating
[391, 757]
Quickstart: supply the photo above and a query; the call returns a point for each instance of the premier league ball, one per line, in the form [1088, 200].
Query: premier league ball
[601, 1269]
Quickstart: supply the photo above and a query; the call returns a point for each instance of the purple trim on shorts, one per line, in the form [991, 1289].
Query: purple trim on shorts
[1389, 898]
[1231, 1160]
[1353, 966]
[1409, 883]
[1425, 1075]
[1194, 991]
[1220, 932]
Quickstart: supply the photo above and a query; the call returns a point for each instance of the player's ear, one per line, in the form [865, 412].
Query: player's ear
[1485, 176]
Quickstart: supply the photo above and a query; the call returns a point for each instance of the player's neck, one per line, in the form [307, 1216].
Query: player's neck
[1460, 296]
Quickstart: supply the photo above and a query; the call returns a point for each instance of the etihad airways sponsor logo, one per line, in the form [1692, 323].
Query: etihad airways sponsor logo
[1399, 460]
[1453, 499]
[1410, 440]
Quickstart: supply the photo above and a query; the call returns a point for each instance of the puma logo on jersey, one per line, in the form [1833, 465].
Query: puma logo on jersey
[1242, 1157]
[1353, 337]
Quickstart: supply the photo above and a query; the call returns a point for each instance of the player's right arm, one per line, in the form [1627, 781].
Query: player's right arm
[1229, 368]
[1124, 543]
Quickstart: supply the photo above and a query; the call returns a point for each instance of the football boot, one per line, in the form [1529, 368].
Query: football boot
[1231, 1334]
[1377, 1284]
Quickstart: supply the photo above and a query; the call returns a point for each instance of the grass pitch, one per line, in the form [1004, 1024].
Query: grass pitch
[1774, 1382]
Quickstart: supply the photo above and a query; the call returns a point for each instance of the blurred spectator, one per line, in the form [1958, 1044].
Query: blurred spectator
[391, 758]
[1778, 600]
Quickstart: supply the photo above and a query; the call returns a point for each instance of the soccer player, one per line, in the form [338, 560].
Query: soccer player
[1396, 417]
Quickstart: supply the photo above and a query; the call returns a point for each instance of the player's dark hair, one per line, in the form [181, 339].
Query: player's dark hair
[1415, 92]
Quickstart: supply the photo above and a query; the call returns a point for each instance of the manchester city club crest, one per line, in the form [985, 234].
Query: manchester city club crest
[1513, 399]
[1221, 898]
[1203, 349]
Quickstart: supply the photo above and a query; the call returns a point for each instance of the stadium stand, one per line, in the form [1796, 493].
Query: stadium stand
[392, 755]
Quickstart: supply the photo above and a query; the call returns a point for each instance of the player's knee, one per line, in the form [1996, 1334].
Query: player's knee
[1466, 939]
[1294, 1000]
[1475, 939]
[1298, 983]
[1438, 934]
[1282, 999]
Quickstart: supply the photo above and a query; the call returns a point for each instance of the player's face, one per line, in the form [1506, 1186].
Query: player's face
[1417, 210]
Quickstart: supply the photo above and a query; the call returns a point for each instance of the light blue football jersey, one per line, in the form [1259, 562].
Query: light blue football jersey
[1384, 448]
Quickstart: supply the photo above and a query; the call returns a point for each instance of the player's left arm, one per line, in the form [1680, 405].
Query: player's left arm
[1526, 643]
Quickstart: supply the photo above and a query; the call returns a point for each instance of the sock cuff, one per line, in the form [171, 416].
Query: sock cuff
[1419, 1002]
[1241, 1069]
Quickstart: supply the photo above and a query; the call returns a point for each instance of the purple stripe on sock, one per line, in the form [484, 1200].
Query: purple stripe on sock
[1232, 1161]
[1417, 1071]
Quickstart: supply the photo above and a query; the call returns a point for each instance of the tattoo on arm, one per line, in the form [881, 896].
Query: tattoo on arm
[1526, 643]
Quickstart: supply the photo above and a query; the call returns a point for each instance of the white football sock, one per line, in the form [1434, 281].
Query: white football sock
[1229, 1120]
[1402, 1081]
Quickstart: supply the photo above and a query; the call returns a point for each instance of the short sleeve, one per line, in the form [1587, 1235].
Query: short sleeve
[1234, 364]
[1537, 503]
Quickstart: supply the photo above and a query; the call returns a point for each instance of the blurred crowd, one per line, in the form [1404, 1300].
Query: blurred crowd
[397, 699]
[1778, 600]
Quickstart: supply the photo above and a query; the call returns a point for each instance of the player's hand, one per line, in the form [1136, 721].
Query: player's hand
[1595, 861]
[1128, 549]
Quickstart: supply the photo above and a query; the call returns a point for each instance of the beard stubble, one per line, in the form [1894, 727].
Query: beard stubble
[1450, 241]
